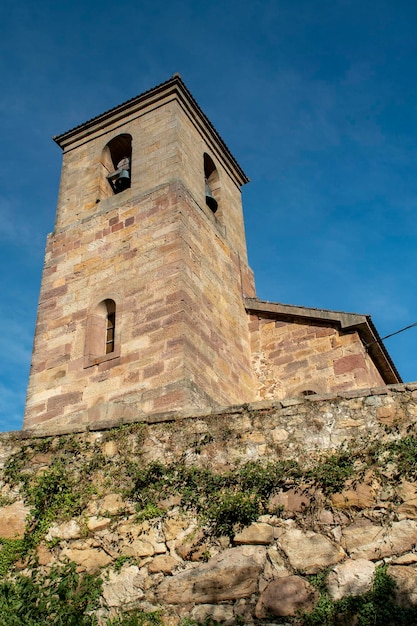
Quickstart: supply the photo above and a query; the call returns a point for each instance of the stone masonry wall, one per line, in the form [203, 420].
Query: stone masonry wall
[174, 271]
[292, 357]
[171, 562]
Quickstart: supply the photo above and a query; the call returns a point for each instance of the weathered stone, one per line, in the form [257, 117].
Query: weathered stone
[389, 415]
[360, 497]
[369, 541]
[172, 527]
[309, 551]
[67, 530]
[350, 578]
[13, 520]
[405, 559]
[277, 563]
[286, 596]
[407, 491]
[189, 544]
[408, 509]
[227, 576]
[124, 587]
[44, 556]
[292, 500]
[98, 523]
[137, 548]
[169, 503]
[127, 529]
[89, 559]
[222, 614]
[162, 563]
[112, 504]
[41, 459]
[326, 517]
[406, 579]
[110, 449]
[156, 541]
[256, 534]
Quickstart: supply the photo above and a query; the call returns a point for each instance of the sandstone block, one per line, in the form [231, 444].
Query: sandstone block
[257, 533]
[98, 523]
[137, 548]
[408, 509]
[361, 497]
[410, 558]
[44, 556]
[122, 588]
[112, 504]
[13, 520]
[350, 578]
[369, 541]
[292, 500]
[406, 579]
[89, 559]
[187, 546]
[172, 527]
[389, 415]
[162, 563]
[286, 596]
[67, 530]
[227, 576]
[110, 449]
[222, 614]
[407, 490]
[309, 551]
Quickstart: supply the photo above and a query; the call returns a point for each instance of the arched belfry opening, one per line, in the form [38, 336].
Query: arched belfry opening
[116, 160]
[212, 182]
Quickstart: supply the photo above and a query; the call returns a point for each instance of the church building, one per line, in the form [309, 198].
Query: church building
[148, 304]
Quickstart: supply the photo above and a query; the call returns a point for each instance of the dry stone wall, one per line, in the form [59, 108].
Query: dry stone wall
[168, 558]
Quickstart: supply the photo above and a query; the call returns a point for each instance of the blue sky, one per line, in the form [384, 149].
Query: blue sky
[316, 99]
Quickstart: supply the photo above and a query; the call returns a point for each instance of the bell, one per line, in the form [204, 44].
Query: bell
[122, 181]
[210, 199]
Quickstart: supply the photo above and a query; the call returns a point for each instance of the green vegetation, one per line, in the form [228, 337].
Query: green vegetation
[223, 501]
[62, 598]
[375, 608]
[77, 471]
[11, 550]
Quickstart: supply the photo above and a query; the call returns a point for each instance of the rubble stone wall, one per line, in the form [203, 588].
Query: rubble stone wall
[170, 560]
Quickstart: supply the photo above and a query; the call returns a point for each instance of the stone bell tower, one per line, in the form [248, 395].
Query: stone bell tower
[141, 307]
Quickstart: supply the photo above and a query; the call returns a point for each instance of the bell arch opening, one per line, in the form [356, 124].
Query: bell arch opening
[116, 159]
[212, 183]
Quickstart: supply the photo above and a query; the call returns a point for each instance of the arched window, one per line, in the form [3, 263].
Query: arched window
[212, 183]
[116, 162]
[102, 334]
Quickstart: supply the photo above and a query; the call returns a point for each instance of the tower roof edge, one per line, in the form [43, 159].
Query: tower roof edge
[175, 85]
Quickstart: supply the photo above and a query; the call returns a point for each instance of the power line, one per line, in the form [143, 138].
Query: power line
[397, 332]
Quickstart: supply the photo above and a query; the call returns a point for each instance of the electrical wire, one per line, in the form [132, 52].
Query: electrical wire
[397, 332]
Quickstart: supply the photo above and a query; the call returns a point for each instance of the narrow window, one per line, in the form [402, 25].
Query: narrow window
[211, 178]
[111, 325]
